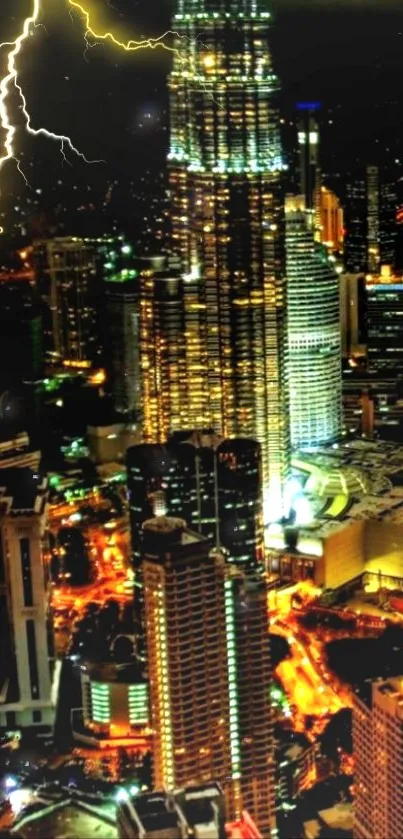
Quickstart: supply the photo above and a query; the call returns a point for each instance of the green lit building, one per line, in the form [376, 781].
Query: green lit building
[209, 671]
[314, 337]
[226, 167]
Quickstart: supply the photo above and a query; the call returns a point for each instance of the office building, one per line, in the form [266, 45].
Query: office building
[331, 220]
[196, 812]
[123, 340]
[384, 323]
[370, 221]
[313, 337]
[66, 269]
[378, 750]
[353, 314]
[26, 651]
[309, 159]
[163, 385]
[225, 167]
[214, 484]
[209, 671]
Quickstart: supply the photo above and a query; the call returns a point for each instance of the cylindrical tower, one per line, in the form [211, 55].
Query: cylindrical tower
[227, 224]
[314, 338]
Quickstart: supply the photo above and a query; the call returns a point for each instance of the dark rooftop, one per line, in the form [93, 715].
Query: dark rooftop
[22, 491]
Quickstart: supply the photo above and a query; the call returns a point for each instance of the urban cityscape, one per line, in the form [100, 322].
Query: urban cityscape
[201, 419]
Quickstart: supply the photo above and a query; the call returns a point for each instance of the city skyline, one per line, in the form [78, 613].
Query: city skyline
[201, 419]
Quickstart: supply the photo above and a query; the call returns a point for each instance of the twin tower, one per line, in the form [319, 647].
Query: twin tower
[224, 358]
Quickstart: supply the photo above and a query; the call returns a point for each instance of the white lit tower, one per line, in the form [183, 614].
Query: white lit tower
[227, 225]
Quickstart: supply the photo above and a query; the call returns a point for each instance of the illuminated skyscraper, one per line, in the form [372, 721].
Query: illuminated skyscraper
[66, 273]
[384, 323]
[209, 669]
[370, 219]
[26, 659]
[227, 225]
[314, 337]
[309, 163]
[161, 362]
[122, 310]
[378, 750]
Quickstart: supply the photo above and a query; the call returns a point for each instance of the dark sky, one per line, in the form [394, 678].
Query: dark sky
[328, 49]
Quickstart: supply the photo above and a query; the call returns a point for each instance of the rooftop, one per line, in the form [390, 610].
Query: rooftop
[67, 820]
[22, 492]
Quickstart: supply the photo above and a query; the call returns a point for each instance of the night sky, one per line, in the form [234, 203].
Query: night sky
[346, 54]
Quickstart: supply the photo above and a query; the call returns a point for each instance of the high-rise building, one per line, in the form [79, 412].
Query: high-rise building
[384, 323]
[209, 670]
[309, 159]
[25, 637]
[313, 337]
[66, 270]
[331, 220]
[378, 750]
[163, 386]
[353, 314]
[214, 484]
[123, 346]
[370, 220]
[225, 165]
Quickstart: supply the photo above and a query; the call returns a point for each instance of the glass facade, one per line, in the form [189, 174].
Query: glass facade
[313, 336]
[384, 324]
[226, 165]
[216, 488]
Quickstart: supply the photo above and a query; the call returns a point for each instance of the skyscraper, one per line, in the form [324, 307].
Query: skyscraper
[309, 162]
[314, 337]
[384, 323]
[163, 387]
[66, 272]
[370, 220]
[123, 347]
[26, 649]
[214, 484]
[226, 166]
[378, 750]
[209, 668]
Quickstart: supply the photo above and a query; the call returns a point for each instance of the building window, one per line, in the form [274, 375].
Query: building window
[26, 574]
[32, 659]
[36, 716]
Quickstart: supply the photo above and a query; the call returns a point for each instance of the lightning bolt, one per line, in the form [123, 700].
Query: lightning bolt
[11, 79]
[128, 46]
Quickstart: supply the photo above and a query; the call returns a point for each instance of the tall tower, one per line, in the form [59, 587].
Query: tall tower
[209, 669]
[309, 162]
[227, 225]
[122, 310]
[378, 750]
[26, 654]
[313, 336]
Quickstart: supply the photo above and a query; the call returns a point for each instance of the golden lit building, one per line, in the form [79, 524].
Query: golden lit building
[378, 750]
[209, 671]
[161, 365]
[331, 220]
[226, 165]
